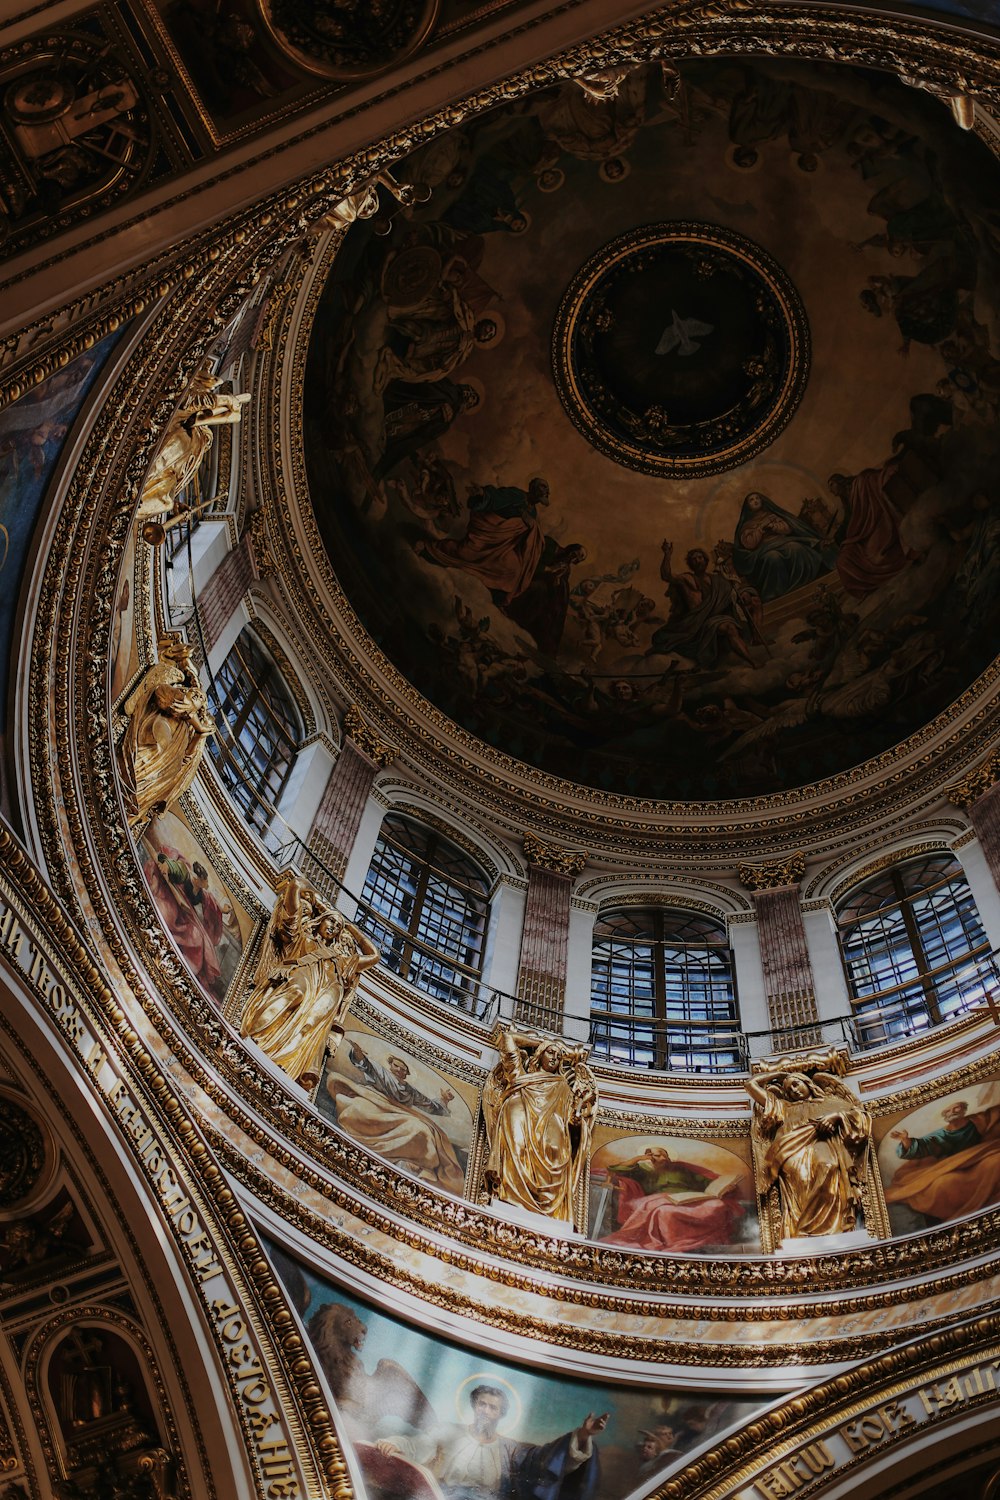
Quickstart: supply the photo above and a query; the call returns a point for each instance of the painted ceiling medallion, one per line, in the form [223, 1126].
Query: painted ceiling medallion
[681, 349]
[348, 38]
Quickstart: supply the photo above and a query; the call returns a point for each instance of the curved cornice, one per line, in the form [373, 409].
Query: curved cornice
[904, 782]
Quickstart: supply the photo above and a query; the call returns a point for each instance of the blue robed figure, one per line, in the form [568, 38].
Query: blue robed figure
[775, 551]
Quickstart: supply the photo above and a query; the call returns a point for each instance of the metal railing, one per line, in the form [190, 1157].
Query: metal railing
[658, 1045]
[670, 1046]
[430, 970]
[662, 1046]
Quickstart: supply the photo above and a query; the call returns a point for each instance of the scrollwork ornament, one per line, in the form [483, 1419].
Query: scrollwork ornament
[550, 857]
[364, 737]
[260, 546]
[773, 874]
[975, 783]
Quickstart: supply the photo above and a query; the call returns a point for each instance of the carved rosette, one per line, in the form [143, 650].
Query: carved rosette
[773, 873]
[551, 858]
[366, 740]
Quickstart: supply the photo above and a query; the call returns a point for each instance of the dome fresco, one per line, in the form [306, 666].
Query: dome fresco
[660, 528]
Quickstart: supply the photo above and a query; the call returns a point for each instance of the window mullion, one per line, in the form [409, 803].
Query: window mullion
[661, 1044]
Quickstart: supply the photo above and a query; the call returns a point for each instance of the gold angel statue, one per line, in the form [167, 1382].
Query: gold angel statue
[168, 726]
[307, 977]
[813, 1138]
[187, 439]
[539, 1104]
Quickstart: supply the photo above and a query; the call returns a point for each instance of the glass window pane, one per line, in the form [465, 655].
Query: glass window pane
[434, 900]
[662, 990]
[258, 729]
[915, 951]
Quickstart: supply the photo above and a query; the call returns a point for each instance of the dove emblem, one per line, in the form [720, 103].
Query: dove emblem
[682, 334]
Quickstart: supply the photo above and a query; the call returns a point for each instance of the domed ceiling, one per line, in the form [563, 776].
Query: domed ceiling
[658, 445]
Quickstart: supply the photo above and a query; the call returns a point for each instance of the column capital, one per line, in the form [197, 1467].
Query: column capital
[260, 546]
[364, 737]
[551, 858]
[773, 873]
[975, 783]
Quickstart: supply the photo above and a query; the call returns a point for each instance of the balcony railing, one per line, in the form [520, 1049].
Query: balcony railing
[662, 1046]
[670, 1046]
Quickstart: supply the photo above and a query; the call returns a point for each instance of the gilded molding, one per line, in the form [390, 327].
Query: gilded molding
[398, 796]
[289, 675]
[699, 1129]
[975, 783]
[551, 858]
[364, 737]
[729, 1467]
[328, 1231]
[263, 557]
[686, 880]
[773, 874]
[883, 862]
[98, 1177]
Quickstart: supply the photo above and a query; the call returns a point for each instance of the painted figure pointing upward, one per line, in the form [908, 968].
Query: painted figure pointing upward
[681, 335]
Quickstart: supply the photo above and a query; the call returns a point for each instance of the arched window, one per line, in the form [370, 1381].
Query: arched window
[258, 729]
[914, 948]
[663, 992]
[433, 899]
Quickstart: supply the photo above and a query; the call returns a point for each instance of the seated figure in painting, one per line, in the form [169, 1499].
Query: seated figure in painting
[663, 1204]
[503, 545]
[775, 551]
[953, 1170]
[389, 1115]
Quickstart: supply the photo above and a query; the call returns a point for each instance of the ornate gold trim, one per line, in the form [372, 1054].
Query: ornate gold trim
[78, 579]
[728, 1469]
[551, 858]
[975, 783]
[774, 874]
[377, 750]
[326, 1230]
